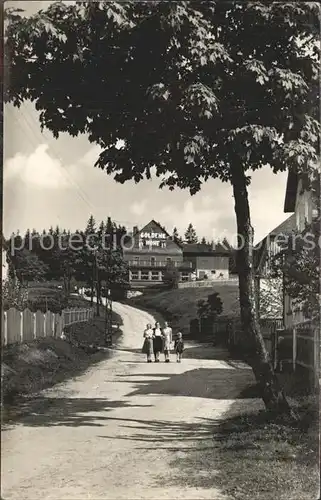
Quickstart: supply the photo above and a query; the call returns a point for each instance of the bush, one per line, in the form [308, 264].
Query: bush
[171, 276]
[43, 304]
[13, 295]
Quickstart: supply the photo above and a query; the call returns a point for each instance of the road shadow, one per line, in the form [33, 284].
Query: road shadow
[165, 434]
[243, 454]
[45, 411]
[248, 455]
[207, 350]
[213, 383]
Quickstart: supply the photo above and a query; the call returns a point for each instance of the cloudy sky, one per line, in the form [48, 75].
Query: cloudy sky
[49, 182]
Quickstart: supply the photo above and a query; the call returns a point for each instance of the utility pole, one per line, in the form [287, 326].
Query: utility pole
[96, 274]
[108, 318]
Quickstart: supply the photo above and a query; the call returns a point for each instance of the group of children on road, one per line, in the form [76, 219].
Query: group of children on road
[157, 340]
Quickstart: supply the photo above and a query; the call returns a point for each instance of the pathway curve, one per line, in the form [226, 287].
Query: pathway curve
[123, 429]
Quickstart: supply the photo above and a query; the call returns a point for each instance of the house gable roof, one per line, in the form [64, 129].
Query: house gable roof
[291, 191]
[153, 227]
[287, 226]
[172, 246]
[204, 249]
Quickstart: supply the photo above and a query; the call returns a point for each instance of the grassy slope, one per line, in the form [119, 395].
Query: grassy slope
[180, 306]
[253, 458]
[30, 367]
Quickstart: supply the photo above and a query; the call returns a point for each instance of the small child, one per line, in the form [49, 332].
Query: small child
[179, 347]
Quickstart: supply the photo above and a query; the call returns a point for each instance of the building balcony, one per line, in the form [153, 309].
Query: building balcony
[159, 264]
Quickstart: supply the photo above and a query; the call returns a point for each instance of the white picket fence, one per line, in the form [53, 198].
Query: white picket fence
[25, 326]
[208, 283]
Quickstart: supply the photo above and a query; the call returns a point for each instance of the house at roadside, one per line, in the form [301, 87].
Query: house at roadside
[299, 200]
[149, 251]
[270, 288]
[209, 261]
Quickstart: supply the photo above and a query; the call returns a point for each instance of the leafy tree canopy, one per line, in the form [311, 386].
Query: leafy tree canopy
[186, 86]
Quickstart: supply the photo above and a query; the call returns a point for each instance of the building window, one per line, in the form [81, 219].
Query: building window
[168, 260]
[134, 275]
[155, 276]
[185, 276]
[152, 261]
[144, 275]
[136, 261]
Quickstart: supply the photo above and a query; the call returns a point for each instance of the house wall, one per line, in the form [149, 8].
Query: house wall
[303, 216]
[215, 267]
[303, 207]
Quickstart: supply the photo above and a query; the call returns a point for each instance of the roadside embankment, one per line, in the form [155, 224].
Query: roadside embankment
[29, 368]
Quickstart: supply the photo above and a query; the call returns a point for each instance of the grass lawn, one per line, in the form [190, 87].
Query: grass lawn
[179, 306]
[261, 459]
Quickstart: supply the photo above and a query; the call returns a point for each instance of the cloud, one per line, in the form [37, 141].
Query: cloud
[58, 184]
[90, 158]
[39, 169]
[206, 220]
[138, 207]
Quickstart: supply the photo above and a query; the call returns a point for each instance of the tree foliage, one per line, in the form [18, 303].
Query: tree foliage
[171, 276]
[210, 308]
[202, 81]
[90, 257]
[176, 237]
[190, 234]
[271, 297]
[14, 294]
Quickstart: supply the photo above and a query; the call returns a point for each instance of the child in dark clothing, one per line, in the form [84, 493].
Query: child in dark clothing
[179, 347]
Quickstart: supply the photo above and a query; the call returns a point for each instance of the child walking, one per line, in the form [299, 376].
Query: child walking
[179, 347]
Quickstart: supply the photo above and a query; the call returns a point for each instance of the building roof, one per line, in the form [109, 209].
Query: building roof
[152, 226]
[290, 192]
[287, 226]
[172, 247]
[204, 249]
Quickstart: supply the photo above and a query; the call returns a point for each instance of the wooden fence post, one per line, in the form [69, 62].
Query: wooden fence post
[53, 329]
[316, 357]
[34, 326]
[5, 328]
[21, 326]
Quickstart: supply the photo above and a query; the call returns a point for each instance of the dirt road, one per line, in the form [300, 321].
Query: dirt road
[125, 428]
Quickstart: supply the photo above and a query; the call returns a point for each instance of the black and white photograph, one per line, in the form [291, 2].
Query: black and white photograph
[160, 306]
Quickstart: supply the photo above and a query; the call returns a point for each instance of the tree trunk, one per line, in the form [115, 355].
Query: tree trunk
[270, 390]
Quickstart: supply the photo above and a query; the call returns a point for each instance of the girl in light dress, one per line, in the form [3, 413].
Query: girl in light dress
[148, 342]
[167, 339]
